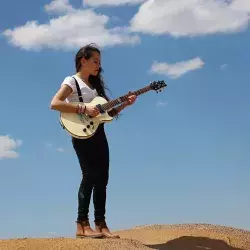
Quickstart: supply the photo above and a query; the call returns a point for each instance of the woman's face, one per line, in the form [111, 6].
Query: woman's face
[92, 65]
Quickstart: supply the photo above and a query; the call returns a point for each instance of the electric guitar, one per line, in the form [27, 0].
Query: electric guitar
[83, 126]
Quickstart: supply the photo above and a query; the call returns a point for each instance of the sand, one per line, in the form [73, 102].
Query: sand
[161, 237]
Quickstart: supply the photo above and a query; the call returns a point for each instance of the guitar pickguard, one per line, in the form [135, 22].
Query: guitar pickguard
[80, 117]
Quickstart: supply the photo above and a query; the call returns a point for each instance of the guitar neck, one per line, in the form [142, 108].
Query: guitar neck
[123, 98]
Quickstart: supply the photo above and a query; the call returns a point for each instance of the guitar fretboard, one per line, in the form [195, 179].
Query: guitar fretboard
[123, 98]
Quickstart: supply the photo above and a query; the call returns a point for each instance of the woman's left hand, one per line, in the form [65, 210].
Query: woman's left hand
[131, 99]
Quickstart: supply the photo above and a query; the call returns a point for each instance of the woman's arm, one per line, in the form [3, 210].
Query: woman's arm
[58, 101]
[115, 111]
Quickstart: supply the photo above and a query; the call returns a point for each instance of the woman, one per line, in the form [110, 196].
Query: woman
[92, 153]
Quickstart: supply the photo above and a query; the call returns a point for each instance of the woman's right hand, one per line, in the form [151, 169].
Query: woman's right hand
[92, 111]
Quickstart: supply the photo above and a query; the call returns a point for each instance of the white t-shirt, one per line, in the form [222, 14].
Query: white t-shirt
[88, 94]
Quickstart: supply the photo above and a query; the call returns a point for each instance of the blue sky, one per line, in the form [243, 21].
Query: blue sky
[181, 156]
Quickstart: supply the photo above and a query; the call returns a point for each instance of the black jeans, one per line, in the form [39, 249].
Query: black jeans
[93, 156]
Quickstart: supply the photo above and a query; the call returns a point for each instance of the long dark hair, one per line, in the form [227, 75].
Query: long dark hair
[96, 81]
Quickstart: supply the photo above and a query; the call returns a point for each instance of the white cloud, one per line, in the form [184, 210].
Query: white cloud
[60, 150]
[98, 3]
[8, 147]
[161, 104]
[58, 6]
[70, 31]
[223, 66]
[51, 232]
[241, 5]
[178, 69]
[174, 17]
[54, 148]
[191, 17]
[48, 145]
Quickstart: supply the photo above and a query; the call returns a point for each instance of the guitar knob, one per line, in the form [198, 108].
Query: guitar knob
[84, 130]
[91, 123]
[88, 126]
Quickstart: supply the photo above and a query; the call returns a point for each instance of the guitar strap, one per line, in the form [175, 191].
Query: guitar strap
[79, 95]
[78, 90]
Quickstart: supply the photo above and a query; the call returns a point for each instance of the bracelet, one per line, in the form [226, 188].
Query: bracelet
[80, 109]
[77, 109]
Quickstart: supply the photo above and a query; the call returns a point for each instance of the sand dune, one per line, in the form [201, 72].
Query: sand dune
[161, 237]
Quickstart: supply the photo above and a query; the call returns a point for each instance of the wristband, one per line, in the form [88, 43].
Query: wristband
[80, 109]
[77, 109]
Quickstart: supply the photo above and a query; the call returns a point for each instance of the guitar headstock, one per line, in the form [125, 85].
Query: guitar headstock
[158, 85]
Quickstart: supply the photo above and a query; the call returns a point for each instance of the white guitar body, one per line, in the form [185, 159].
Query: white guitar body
[83, 126]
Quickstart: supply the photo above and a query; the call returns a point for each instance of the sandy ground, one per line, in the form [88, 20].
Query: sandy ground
[161, 237]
